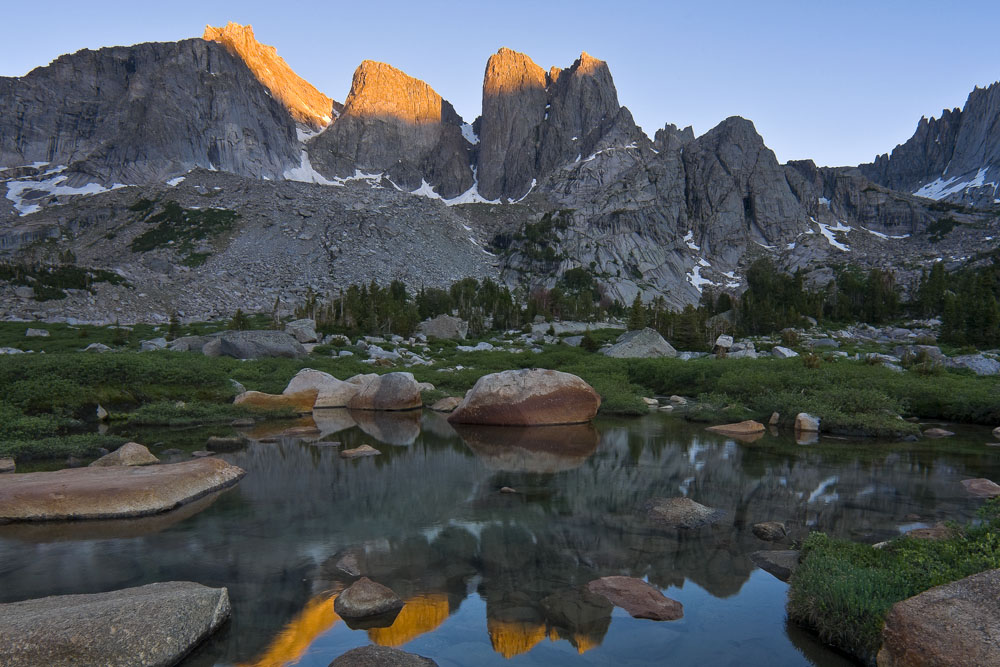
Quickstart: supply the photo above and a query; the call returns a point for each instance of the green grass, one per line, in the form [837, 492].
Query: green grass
[179, 413]
[844, 590]
[180, 228]
[50, 282]
[81, 446]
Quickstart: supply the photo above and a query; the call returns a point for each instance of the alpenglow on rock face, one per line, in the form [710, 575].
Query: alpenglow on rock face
[396, 125]
[134, 114]
[306, 104]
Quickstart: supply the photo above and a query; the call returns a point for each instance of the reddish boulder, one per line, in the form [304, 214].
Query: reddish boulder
[533, 397]
[639, 599]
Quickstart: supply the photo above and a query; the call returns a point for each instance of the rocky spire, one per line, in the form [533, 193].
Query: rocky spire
[395, 124]
[306, 104]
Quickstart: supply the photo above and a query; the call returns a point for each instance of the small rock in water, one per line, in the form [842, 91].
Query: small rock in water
[806, 423]
[680, 512]
[381, 656]
[300, 431]
[221, 444]
[748, 427]
[678, 400]
[102, 414]
[775, 418]
[996, 433]
[507, 489]
[325, 443]
[638, 598]
[937, 433]
[363, 450]
[202, 454]
[129, 454]
[366, 598]
[651, 402]
[348, 564]
[769, 531]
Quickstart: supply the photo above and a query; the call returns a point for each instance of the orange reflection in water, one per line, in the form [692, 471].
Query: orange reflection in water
[510, 638]
[292, 642]
[420, 615]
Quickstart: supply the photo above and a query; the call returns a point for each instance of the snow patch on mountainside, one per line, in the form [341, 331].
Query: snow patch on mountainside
[24, 193]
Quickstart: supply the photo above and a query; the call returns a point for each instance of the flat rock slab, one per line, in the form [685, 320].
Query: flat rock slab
[780, 564]
[111, 493]
[953, 624]
[381, 656]
[157, 624]
[982, 487]
[359, 452]
[748, 427]
[639, 599]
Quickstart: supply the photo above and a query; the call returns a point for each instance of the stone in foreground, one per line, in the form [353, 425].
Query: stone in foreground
[157, 624]
[366, 598]
[129, 454]
[532, 397]
[744, 428]
[953, 624]
[680, 512]
[984, 488]
[381, 656]
[358, 452]
[780, 564]
[111, 493]
[639, 599]
[392, 391]
[644, 344]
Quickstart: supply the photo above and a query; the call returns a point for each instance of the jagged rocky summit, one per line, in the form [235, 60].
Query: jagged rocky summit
[394, 184]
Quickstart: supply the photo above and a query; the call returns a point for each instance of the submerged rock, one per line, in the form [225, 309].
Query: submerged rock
[953, 624]
[680, 512]
[330, 392]
[358, 452]
[366, 598]
[111, 492]
[532, 397]
[769, 531]
[381, 656]
[781, 564]
[639, 599]
[129, 454]
[157, 624]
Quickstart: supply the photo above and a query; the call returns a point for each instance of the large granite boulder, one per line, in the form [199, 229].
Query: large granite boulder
[303, 330]
[976, 363]
[532, 397]
[156, 624]
[444, 327]
[330, 392]
[300, 401]
[112, 492]
[129, 454]
[381, 656]
[366, 598]
[638, 598]
[392, 391]
[259, 344]
[954, 624]
[644, 344]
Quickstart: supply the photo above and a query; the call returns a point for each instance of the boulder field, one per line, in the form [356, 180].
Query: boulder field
[115, 492]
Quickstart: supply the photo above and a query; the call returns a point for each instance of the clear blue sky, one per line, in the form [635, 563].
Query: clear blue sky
[838, 82]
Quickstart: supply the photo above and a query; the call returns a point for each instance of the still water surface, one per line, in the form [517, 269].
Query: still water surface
[493, 578]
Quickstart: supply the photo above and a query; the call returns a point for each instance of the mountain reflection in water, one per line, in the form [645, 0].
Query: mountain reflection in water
[490, 576]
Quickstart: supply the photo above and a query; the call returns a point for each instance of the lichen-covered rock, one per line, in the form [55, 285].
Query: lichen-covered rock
[531, 397]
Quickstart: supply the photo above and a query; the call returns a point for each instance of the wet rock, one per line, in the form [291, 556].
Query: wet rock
[129, 454]
[806, 423]
[981, 487]
[639, 599]
[358, 452]
[953, 624]
[303, 330]
[366, 598]
[532, 397]
[7, 465]
[644, 344]
[348, 564]
[769, 531]
[392, 391]
[748, 427]
[680, 512]
[301, 402]
[381, 656]
[937, 433]
[447, 404]
[157, 624]
[111, 492]
[781, 564]
[444, 327]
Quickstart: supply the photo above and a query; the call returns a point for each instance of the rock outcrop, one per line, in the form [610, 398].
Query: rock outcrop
[953, 624]
[396, 125]
[111, 492]
[156, 624]
[305, 104]
[136, 114]
[533, 397]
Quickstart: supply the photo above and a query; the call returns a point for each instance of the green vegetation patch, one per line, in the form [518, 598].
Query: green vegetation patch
[180, 228]
[81, 446]
[179, 413]
[844, 590]
[50, 282]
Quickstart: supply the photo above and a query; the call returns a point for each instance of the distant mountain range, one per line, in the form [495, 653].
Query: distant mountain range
[670, 215]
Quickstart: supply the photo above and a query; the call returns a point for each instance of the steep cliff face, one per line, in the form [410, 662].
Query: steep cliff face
[395, 124]
[306, 104]
[144, 113]
[954, 158]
